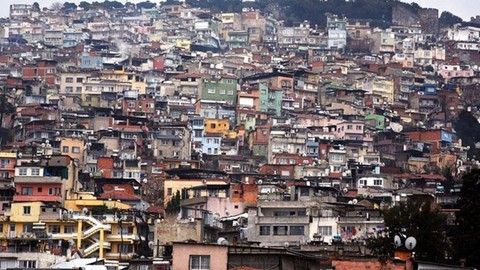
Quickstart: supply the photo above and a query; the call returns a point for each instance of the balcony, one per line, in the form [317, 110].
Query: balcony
[122, 238]
[116, 256]
[360, 220]
[283, 220]
[37, 198]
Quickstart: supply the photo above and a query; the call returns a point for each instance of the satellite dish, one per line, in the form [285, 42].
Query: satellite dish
[410, 243]
[345, 190]
[286, 244]
[396, 127]
[70, 212]
[354, 201]
[260, 182]
[397, 241]
[350, 202]
[222, 241]
[150, 244]
[364, 195]
[85, 211]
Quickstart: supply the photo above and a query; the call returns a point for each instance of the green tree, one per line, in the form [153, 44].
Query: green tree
[173, 205]
[418, 219]
[67, 6]
[36, 7]
[447, 19]
[450, 180]
[85, 5]
[467, 238]
[468, 129]
[5, 107]
[112, 4]
[146, 5]
[56, 6]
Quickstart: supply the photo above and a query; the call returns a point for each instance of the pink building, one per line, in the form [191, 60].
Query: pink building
[34, 189]
[199, 256]
[7, 165]
[451, 71]
[350, 130]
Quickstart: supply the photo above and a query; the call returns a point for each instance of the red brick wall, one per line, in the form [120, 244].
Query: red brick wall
[105, 164]
[366, 265]
[44, 70]
[270, 169]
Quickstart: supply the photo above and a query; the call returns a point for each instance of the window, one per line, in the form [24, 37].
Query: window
[280, 230]
[169, 191]
[35, 171]
[50, 191]
[69, 229]
[75, 149]
[27, 210]
[349, 126]
[283, 213]
[200, 262]
[4, 163]
[69, 80]
[7, 264]
[69, 89]
[325, 230]
[40, 189]
[27, 191]
[78, 89]
[54, 228]
[28, 264]
[378, 182]
[164, 142]
[359, 127]
[230, 92]
[297, 230]
[222, 92]
[264, 230]
[211, 91]
[22, 171]
[125, 248]
[79, 80]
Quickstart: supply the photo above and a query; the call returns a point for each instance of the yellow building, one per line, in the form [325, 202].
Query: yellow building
[112, 234]
[125, 80]
[180, 42]
[171, 186]
[73, 147]
[378, 86]
[220, 126]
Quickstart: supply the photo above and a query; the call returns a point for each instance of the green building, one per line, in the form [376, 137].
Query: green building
[221, 89]
[270, 99]
[376, 121]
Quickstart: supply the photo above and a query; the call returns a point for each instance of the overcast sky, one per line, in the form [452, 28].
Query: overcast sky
[462, 8]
